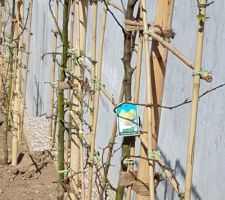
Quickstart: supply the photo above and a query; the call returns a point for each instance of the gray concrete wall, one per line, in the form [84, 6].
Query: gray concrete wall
[209, 177]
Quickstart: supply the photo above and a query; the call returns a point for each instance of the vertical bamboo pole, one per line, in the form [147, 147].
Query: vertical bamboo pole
[83, 7]
[75, 144]
[27, 63]
[194, 105]
[93, 71]
[136, 98]
[149, 101]
[20, 58]
[70, 66]
[97, 97]
[93, 65]
[158, 60]
[52, 124]
[17, 95]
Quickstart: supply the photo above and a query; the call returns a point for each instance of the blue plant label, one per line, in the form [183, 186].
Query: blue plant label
[127, 120]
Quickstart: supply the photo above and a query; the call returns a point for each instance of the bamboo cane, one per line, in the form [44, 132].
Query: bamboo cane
[70, 64]
[93, 56]
[75, 144]
[158, 58]
[27, 63]
[194, 105]
[136, 99]
[53, 65]
[17, 96]
[149, 100]
[20, 58]
[97, 98]
[83, 6]
[93, 66]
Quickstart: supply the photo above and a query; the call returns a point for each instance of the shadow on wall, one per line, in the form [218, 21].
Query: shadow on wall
[169, 193]
[37, 99]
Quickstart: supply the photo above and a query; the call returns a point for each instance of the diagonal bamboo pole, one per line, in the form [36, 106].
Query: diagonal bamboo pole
[17, 95]
[52, 95]
[169, 175]
[158, 59]
[97, 98]
[194, 105]
[27, 63]
[149, 100]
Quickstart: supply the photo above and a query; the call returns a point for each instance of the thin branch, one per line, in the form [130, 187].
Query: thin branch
[186, 101]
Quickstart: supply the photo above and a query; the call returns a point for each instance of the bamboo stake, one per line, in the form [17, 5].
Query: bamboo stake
[16, 106]
[75, 144]
[27, 63]
[158, 59]
[97, 98]
[93, 66]
[149, 100]
[93, 56]
[83, 7]
[172, 49]
[194, 105]
[136, 99]
[20, 58]
[70, 64]
[52, 95]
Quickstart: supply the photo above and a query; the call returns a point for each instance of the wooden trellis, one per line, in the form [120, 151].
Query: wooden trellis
[80, 169]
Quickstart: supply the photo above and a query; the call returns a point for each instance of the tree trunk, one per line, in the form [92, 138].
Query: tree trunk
[60, 103]
[128, 71]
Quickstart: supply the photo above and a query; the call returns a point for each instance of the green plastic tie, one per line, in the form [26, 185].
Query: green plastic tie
[152, 155]
[98, 87]
[65, 172]
[201, 17]
[204, 5]
[148, 32]
[200, 73]
[93, 80]
[93, 159]
[128, 161]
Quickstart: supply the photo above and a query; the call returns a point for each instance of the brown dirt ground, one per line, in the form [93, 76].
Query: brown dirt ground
[27, 181]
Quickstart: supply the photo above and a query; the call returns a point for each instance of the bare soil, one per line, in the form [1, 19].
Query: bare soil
[34, 178]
